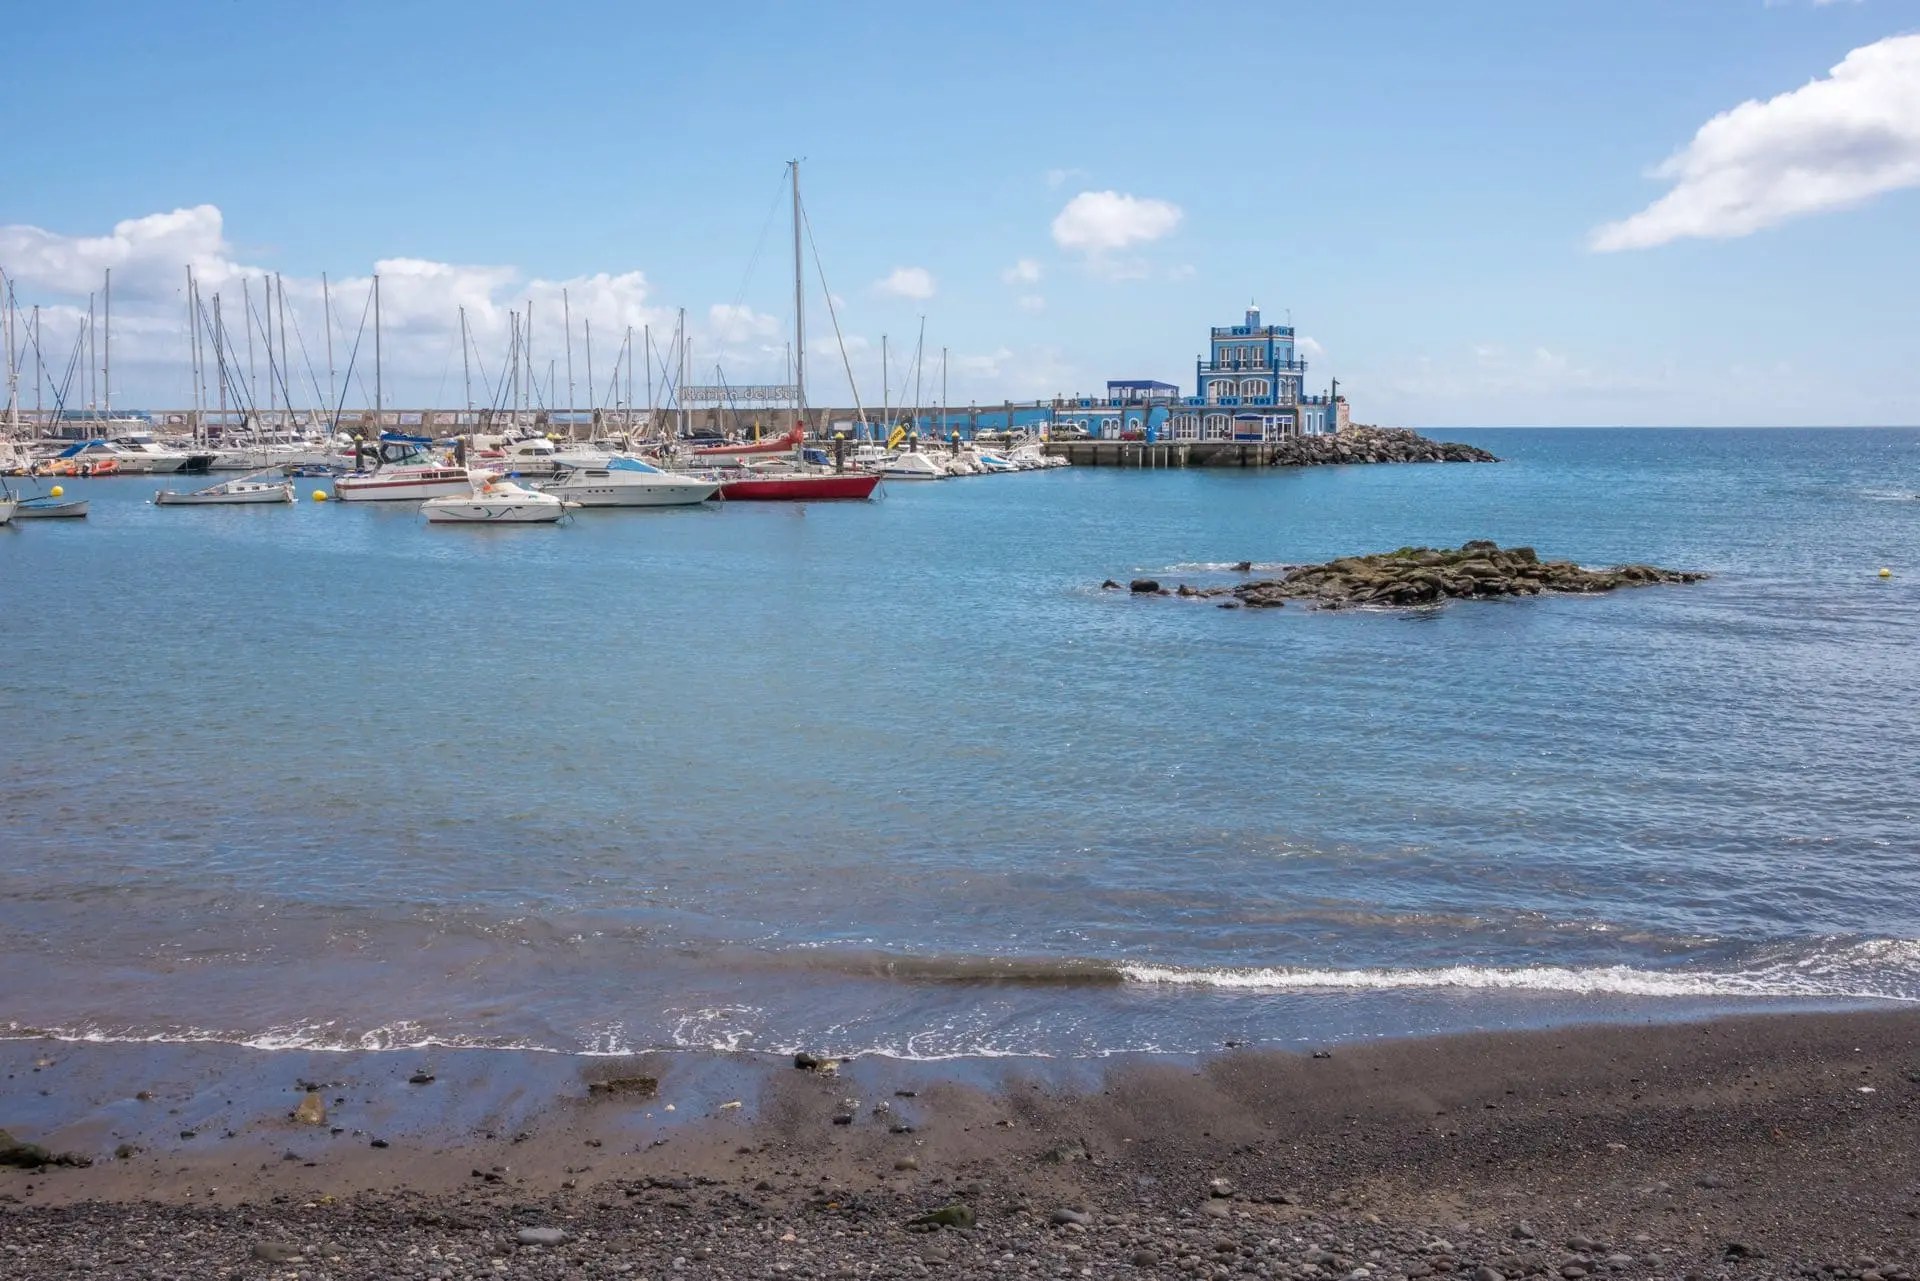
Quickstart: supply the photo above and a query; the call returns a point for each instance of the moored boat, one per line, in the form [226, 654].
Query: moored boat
[245, 490]
[404, 470]
[629, 482]
[49, 507]
[743, 450]
[495, 502]
[797, 485]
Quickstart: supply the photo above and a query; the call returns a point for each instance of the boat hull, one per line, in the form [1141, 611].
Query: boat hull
[6, 510]
[366, 489]
[245, 498]
[513, 512]
[50, 509]
[846, 485]
[650, 494]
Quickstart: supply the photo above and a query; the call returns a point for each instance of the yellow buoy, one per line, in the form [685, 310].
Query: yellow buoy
[319, 495]
[1885, 572]
[57, 491]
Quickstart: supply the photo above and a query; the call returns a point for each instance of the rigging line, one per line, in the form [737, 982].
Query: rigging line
[286, 394]
[444, 370]
[301, 340]
[613, 387]
[348, 378]
[366, 309]
[833, 314]
[759, 246]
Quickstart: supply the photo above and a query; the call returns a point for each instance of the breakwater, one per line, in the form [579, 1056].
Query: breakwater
[1355, 445]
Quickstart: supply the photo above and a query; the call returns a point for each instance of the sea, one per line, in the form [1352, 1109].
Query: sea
[900, 777]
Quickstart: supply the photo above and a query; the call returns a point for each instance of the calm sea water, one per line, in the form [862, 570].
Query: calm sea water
[898, 776]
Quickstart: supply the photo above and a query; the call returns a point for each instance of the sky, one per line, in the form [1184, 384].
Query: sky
[1489, 212]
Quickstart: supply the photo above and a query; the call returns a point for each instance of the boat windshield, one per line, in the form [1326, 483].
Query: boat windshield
[631, 464]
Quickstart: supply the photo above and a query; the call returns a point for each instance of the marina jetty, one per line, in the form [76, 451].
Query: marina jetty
[1414, 576]
[1352, 445]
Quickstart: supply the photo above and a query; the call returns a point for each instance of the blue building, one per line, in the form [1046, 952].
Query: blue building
[1249, 387]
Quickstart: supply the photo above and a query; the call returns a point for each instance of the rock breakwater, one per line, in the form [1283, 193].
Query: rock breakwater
[1415, 576]
[1361, 444]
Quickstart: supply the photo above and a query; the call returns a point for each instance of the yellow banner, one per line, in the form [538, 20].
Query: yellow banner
[899, 434]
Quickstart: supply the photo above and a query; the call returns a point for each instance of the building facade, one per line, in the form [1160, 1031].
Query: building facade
[1250, 386]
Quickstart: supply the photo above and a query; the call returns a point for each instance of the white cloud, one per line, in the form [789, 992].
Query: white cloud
[1097, 222]
[1310, 347]
[1032, 302]
[730, 322]
[1830, 144]
[906, 282]
[1024, 272]
[420, 302]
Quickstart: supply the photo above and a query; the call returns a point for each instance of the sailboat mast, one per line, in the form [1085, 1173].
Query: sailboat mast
[253, 374]
[466, 365]
[646, 339]
[529, 353]
[326, 308]
[286, 383]
[799, 307]
[13, 377]
[680, 387]
[106, 370]
[886, 403]
[379, 392]
[193, 359]
[566, 320]
[93, 365]
[589, 324]
[266, 329]
[39, 372]
[220, 358]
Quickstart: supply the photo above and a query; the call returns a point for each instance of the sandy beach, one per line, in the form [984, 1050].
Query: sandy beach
[1765, 1146]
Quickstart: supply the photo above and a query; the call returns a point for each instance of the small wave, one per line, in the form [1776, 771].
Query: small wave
[1884, 970]
[318, 1038]
[1224, 567]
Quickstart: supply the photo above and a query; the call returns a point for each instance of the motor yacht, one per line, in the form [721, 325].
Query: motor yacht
[629, 482]
[403, 468]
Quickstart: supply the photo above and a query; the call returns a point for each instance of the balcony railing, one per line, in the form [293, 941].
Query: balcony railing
[1243, 331]
[1240, 367]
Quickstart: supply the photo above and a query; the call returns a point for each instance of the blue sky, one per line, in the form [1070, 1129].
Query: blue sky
[1066, 192]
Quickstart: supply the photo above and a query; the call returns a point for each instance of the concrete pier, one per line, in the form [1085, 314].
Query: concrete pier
[1155, 454]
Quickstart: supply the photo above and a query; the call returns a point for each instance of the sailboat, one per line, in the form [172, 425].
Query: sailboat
[765, 479]
[402, 466]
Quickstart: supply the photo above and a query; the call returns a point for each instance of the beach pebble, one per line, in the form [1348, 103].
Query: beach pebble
[1144, 1259]
[906, 1163]
[1583, 1245]
[420, 1078]
[275, 1252]
[541, 1236]
[1216, 1210]
[1065, 1216]
[1522, 1231]
[1485, 1273]
[1220, 1187]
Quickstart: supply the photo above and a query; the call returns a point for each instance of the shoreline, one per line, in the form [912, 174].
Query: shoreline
[1787, 1135]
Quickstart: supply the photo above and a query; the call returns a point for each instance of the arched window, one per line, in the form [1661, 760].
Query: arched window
[1253, 387]
[1218, 427]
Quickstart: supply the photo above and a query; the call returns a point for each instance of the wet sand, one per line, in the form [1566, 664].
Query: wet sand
[1738, 1147]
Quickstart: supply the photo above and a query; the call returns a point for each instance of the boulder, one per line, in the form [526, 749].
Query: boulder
[1144, 587]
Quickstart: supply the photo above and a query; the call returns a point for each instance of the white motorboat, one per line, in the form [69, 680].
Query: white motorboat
[495, 502]
[404, 470]
[629, 482]
[139, 452]
[911, 467]
[245, 490]
[7, 506]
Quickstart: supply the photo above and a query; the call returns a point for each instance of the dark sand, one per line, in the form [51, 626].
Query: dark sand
[1770, 1146]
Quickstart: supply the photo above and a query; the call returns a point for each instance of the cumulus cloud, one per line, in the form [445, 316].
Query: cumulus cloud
[1098, 222]
[729, 321]
[1831, 144]
[420, 305]
[1024, 272]
[1310, 347]
[906, 282]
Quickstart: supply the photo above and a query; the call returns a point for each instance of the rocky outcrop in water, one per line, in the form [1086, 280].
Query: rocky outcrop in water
[1415, 576]
[1360, 444]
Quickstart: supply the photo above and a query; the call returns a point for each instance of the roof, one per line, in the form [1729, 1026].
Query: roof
[1147, 384]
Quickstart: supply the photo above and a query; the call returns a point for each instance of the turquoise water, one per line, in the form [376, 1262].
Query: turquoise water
[898, 775]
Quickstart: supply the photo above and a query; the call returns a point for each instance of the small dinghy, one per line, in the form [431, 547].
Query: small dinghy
[495, 502]
[247, 489]
[48, 507]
